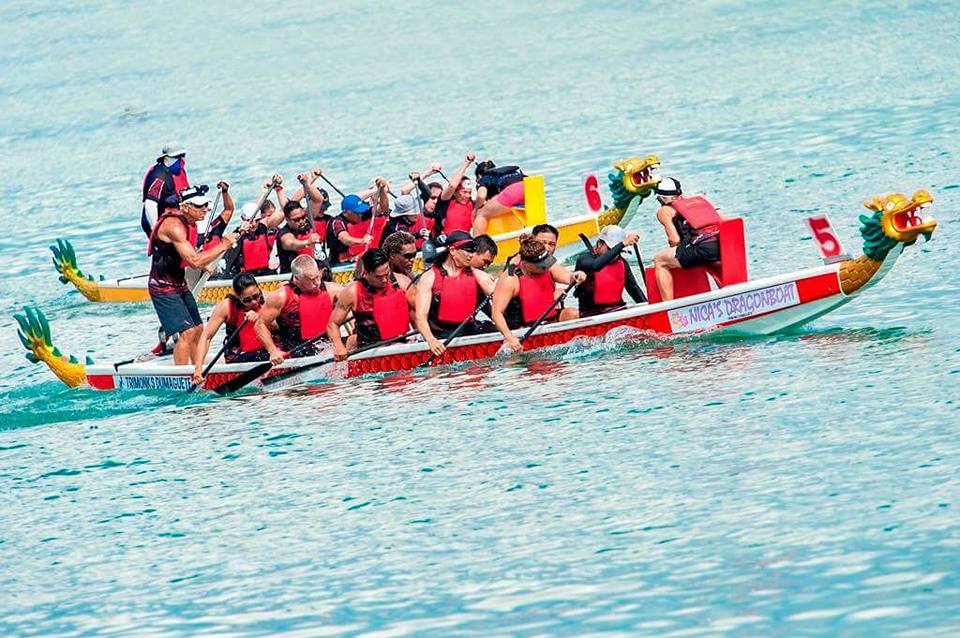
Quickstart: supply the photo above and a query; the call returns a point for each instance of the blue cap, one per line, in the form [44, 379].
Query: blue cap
[353, 204]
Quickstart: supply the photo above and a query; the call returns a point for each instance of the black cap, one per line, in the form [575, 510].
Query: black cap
[460, 239]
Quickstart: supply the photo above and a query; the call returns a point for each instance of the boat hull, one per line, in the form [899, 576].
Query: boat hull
[758, 307]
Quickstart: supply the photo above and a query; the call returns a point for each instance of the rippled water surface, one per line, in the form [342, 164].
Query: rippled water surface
[800, 484]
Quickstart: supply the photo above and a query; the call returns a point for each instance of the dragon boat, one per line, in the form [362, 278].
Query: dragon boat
[721, 300]
[631, 181]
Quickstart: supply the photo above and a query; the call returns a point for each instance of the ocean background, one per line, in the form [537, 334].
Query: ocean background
[803, 484]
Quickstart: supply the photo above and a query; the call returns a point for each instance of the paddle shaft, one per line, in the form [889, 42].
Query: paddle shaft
[547, 312]
[283, 375]
[458, 330]
[643, 271]
[226, 344]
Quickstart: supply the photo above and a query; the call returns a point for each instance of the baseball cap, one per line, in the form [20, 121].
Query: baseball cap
[612, 235]
[353, 204]
[460, 239]
[667, 186]
[196, 195]
[405, 205]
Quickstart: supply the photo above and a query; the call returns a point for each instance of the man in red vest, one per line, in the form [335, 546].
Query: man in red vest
[166, 178]
[692, 233]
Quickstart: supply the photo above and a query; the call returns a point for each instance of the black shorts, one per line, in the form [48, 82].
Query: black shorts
[177, 312]
[699, 254]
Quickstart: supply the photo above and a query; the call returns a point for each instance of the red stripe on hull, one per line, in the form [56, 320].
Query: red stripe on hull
[101, 382]
[813, 288]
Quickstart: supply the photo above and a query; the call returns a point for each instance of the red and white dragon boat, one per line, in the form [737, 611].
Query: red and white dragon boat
[719, 300]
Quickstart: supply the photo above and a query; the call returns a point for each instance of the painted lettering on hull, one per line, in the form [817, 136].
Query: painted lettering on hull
[153, 383]
[709, 314]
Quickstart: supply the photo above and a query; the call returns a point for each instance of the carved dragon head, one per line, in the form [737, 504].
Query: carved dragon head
[633, 177]
[896, 219]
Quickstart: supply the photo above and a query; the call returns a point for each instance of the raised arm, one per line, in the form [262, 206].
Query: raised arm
[451, 186]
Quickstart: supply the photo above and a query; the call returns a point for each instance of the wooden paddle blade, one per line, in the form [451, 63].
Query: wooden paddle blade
[244, 379]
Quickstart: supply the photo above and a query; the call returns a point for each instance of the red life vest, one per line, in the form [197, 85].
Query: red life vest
[247, 340]
[256, 250]
[459, 217]
[307, 312]
[387, 310]
[189, 225]
[454, 298]
[360, 229]
[180, 181]
[608, 283]
[700, 215]
[536, 295]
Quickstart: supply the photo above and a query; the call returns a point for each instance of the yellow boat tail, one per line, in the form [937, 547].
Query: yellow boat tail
[34, 333]
[630, 180]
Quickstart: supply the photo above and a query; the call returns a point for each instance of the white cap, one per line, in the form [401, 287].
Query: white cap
[171, 149]
[196, 200]
[612, 235]
[667, 186]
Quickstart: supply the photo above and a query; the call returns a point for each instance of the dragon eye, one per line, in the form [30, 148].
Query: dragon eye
[890, 205]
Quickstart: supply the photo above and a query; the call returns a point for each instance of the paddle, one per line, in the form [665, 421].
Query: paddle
[331, 185]
[277, 378]
[226, 343]
[259, 370]
[456, 331]
[546, 313]
[197, 285]
[643, 272]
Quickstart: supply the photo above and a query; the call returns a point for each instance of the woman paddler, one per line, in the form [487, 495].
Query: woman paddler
[499, 189]
[301, 309]
[524, 292]
[448, 293]
[242, 308]
[381, 302]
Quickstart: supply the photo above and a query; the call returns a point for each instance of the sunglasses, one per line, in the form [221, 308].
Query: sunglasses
[409, 255]
[250, 299]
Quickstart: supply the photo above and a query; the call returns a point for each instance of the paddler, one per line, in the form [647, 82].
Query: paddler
[165, 179]
[258, 234]
[173, 247]
[404, 216]
[608, 274]
[401, 249]
[523, 293]
[238, 309]
[449, 292]
[296, 237]
[454, 209]
[353, 210]
[486, 252]
[499, 189]
[545, 233]
[300, 308]
[381, 302]
[692, 233]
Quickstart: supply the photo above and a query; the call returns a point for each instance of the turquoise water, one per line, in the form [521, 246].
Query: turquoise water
[804, 484]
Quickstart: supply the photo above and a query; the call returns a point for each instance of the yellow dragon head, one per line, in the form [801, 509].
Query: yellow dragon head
[896, 218]
[632, 177]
